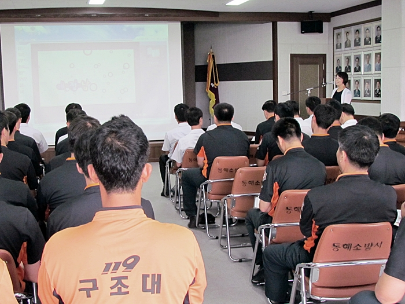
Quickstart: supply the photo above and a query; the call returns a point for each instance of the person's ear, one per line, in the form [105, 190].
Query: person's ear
[79, 169]
[92, 173]
[146, 172]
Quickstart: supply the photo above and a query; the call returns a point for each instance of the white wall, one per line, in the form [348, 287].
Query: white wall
[291, 41]
[360, 108]
[234, 43]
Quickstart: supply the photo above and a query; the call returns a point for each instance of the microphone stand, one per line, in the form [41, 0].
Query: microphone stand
[308, 90]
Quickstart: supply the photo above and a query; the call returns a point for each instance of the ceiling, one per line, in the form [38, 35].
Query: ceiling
[318, 6]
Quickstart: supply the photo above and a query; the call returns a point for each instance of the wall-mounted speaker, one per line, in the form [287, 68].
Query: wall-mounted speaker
[312, 26]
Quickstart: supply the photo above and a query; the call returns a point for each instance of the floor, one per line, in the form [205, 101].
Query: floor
[228, 282]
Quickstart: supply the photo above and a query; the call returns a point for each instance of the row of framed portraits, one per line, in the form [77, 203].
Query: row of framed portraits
[357, 36]
[365, 87]
[358, 63]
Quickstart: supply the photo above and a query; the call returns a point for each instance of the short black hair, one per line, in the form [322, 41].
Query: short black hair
[360, 144]
[193, 116]
[82, 144]
[283, 109]
[357, 31]
[269, 106]
[79, 126]
[15, 111]
[373, 123]
[3, 121]
[287, 128]
[312, 102]
[344, 77]
[347, 108]
[72, 114]
[180, 112]
[295, 105]
[25, 111]
[224, 112]
[119, 151]
[337, 106]
[12, 120]
[71, 106]
[390, 124]
[324, 116]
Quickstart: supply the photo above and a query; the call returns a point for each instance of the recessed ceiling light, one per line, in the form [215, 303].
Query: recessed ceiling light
[236, 2]
[96, 2]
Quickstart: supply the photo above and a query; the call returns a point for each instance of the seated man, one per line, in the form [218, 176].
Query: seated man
[18, 147]
[29, 131]
[224, 140]
[18, 226]
[321, 145]
[265, 126]
[22, 139]
[194, 117]
[62, 132]
[65, 182]
[390, 124]
[81, 210]
[295, 170]
[347, 118]
[335, 128]
[389, 166]
[121, 235]
[390, 287]
[171, 139]
[63, 145]
[353, 198]
[296, 107]
[310, 103]
[269, 145]
[15, 166]
[17, 193]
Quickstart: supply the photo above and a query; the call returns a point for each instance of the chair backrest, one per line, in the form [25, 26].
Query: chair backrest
[247, 180]
[252, 153]
[288, 210]
[332, 172]
[224, 167]
[6, 257]
[400, 190]
[189, 159]
[351, 242]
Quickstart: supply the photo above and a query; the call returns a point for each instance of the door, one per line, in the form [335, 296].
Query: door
[307, 71]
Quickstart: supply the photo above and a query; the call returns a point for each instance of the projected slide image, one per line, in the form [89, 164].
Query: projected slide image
[87, 76]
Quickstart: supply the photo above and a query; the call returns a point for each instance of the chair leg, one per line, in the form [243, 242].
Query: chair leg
[303, 290]
[254, 255]
[35, 293]
[294, 286]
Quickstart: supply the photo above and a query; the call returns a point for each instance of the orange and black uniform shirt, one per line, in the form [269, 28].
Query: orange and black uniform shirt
[122, 257]
[351, 199]
[295, 170]
[388, 167]
[322, 147]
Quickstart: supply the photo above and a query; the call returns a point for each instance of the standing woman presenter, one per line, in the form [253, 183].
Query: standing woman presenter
[341, 93]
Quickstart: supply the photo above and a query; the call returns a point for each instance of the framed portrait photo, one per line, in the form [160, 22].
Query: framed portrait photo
[377, 33]
[347, 63]
[367, 87]
[367, 35]
[338, 40]
[358, 37]
[357, 63]
[357, 88]
[349, 83]
[338, 63]
[368, 62]
[348, 38]
[377, 88]
[377, 61]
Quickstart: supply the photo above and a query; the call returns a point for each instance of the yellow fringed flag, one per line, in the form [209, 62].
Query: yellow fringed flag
[212, 82]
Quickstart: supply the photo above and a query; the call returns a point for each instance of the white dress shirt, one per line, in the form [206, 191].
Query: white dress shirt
[348, 123]
[174, 135]
[25, 129]
[234, 124]
[306, 125]
[186, 142]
